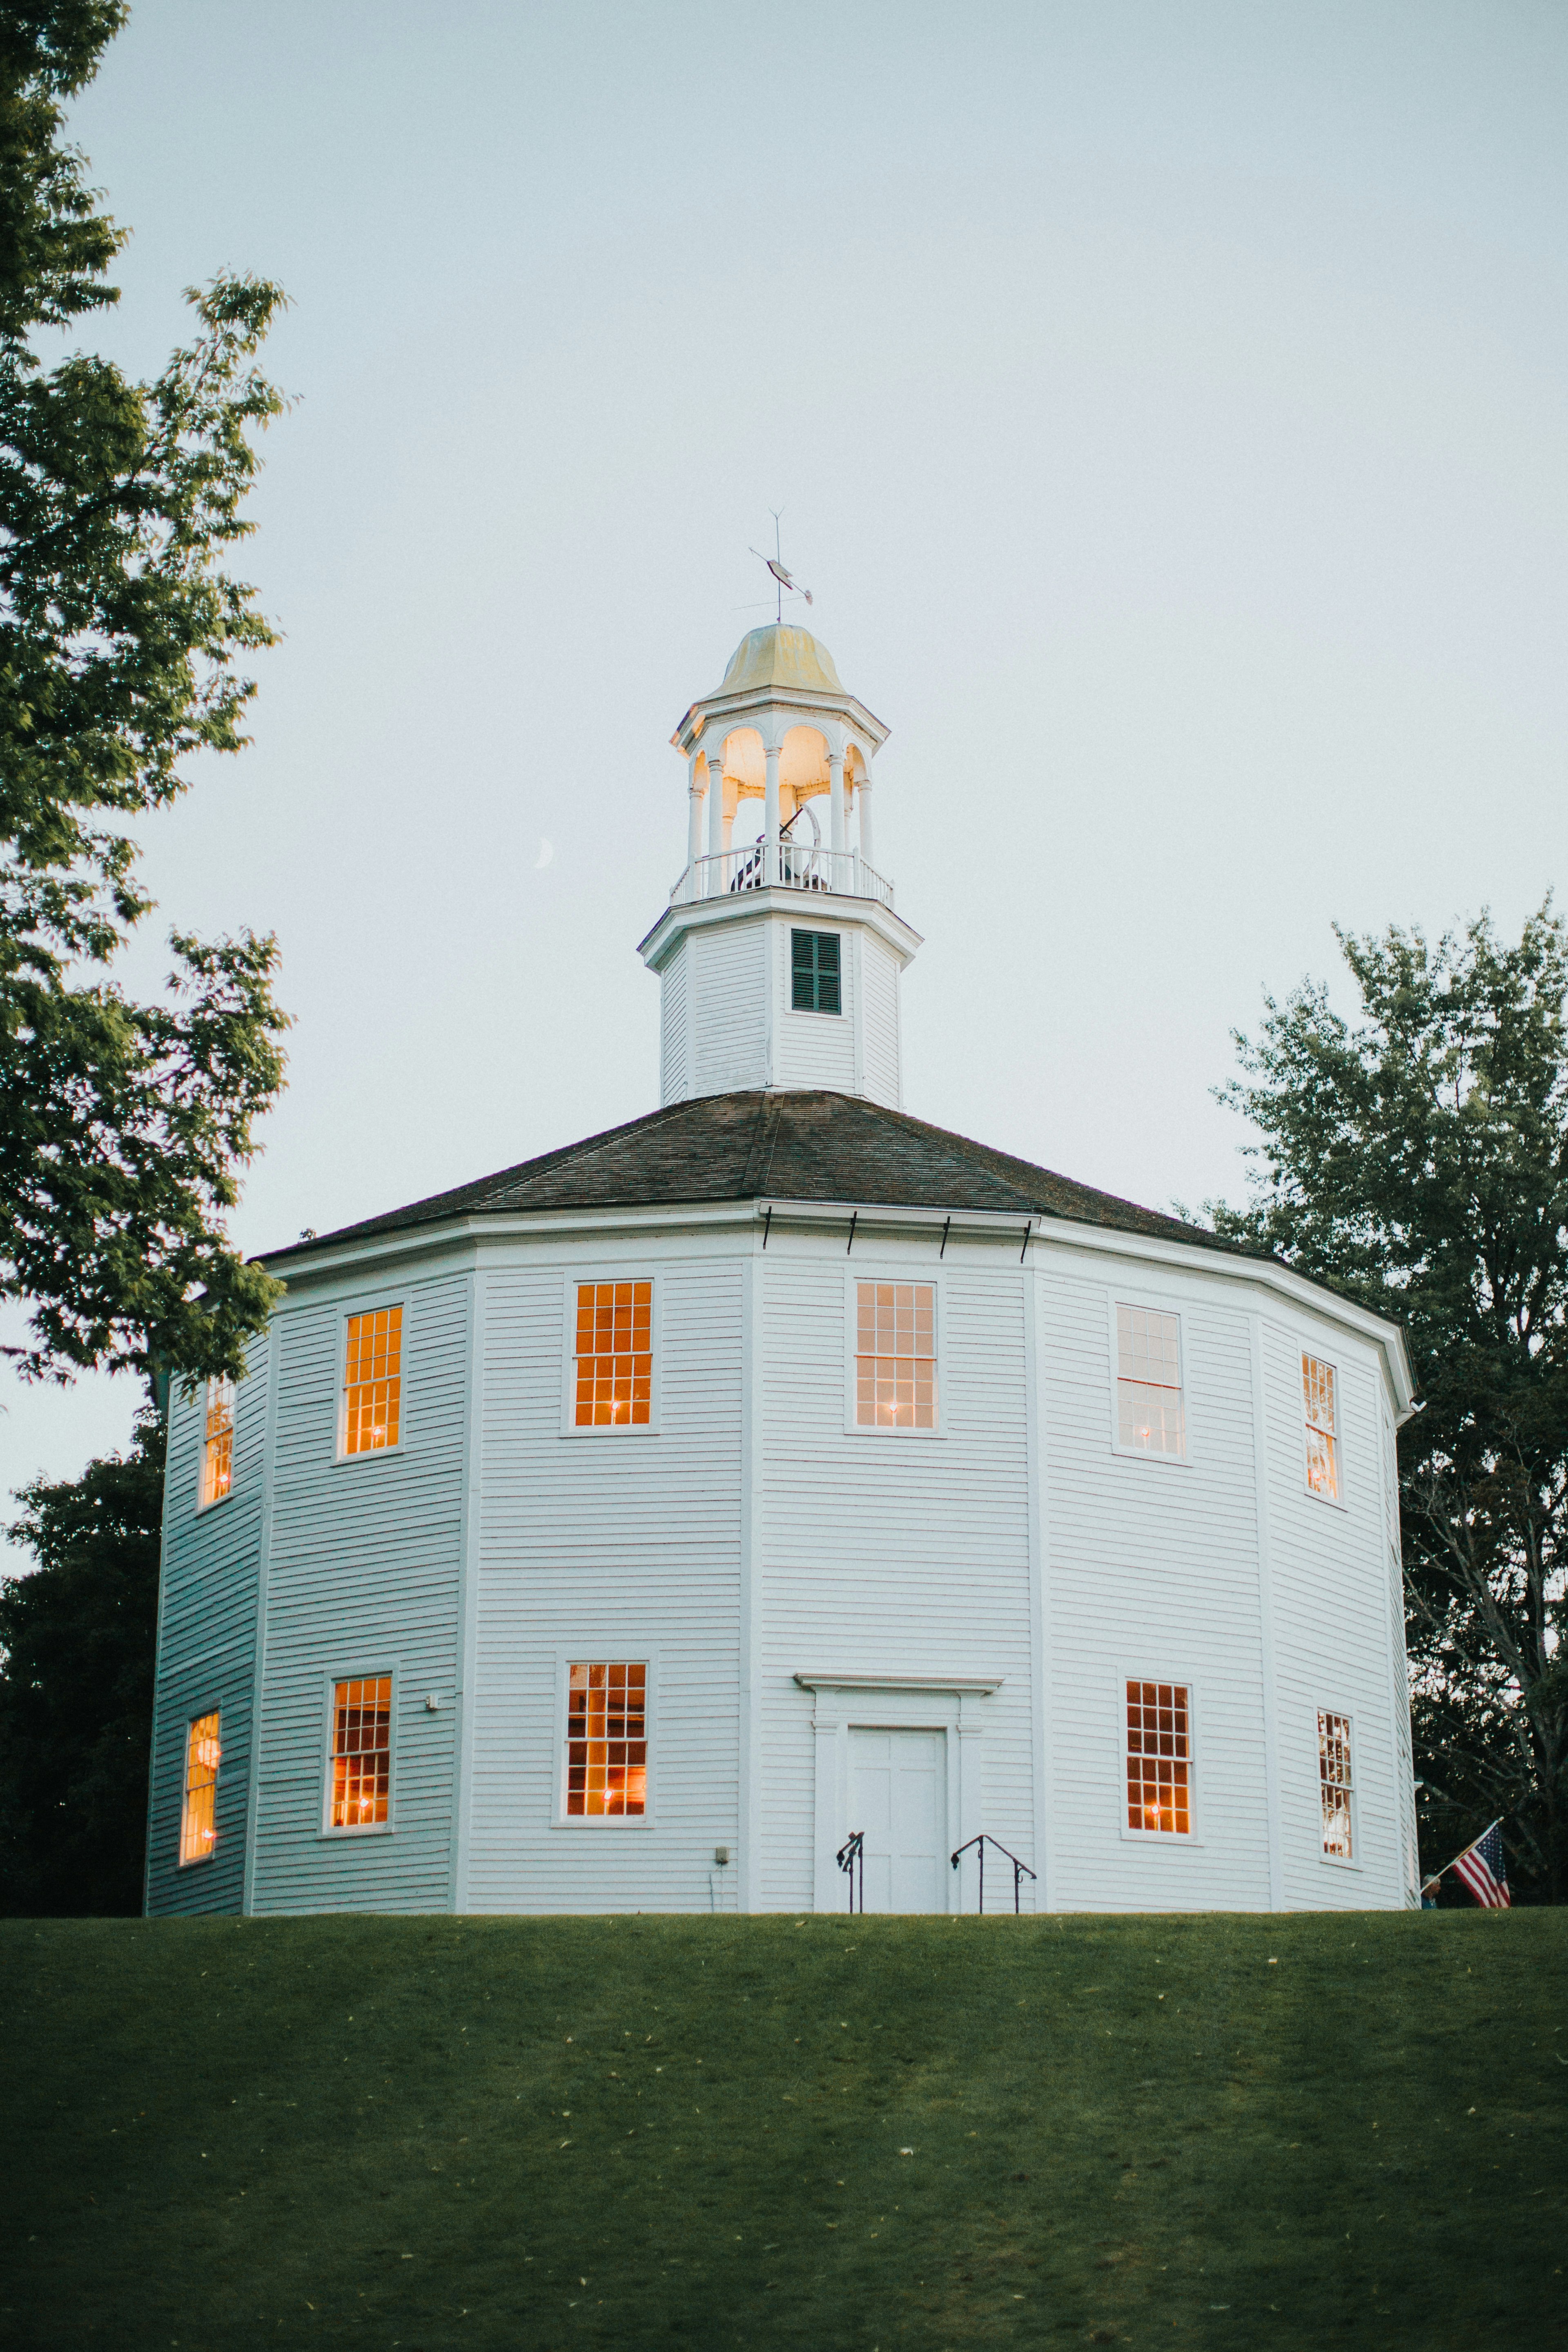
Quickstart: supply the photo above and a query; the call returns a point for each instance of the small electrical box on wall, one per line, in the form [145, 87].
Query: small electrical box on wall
[720, 1856]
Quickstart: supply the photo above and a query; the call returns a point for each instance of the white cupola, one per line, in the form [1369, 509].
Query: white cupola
[780, 953]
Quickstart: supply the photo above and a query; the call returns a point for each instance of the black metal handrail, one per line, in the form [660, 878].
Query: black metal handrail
[851, 1859]
[1020, 1869]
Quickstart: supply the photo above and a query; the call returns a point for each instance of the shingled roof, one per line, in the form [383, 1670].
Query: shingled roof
[776, 1147]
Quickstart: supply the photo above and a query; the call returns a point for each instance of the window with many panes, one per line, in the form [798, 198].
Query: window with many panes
[814, 971]
[361, 1793]
[1318, 1401]
[895, 1355]
[373, 1380]
[1160, 1757]
[1337, 1784]
[218, 1442]
[1151, 1417]
[198, 1813]
[614, 1355]
[606, 1738]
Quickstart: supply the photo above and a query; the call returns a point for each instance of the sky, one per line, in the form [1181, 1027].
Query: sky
[1166, 404]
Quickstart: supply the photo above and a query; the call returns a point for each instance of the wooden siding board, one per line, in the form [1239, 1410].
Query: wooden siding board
[890, 1555]
[619, 1545]
[881, 1077]
[364, 1576]
[728, 1008]
[206, 1646]
[673, 1026]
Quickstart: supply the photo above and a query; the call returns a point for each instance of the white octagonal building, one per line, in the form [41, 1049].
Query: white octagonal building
[779, 1503]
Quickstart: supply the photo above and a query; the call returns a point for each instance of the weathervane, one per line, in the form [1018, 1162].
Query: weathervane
[776, 566]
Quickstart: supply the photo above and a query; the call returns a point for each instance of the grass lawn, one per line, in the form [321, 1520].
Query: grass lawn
[869, 2132]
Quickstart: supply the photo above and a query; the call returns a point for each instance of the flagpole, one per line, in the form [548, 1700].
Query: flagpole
[1475, 1841]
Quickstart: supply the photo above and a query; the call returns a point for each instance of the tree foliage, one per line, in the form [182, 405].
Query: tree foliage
[76, 1641]
[1417, 1157]
[122, 1125]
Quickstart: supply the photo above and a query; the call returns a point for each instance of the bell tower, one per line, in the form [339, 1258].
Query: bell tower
[780, 953]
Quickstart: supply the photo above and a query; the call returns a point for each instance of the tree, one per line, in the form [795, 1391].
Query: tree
[76, 1638]
[122, 1124]
[1417, 1159]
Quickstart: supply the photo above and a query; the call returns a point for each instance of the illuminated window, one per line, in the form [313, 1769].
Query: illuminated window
[1322, 1440]
[218, 1443]
[198, 1815]
[895, 1355]
[361, 1752]
[814, 971]
[373, 1382]
[1150, 1417]
[615, 1354]
[1159, 1758]
[1334, 1774]
[606, 1739]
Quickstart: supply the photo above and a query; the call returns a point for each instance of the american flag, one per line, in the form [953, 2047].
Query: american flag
[1484, 1871]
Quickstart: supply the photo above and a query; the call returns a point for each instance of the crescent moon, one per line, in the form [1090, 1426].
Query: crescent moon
[545, 853]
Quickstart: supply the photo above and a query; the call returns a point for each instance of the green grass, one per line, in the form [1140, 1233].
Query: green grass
[876, 2134]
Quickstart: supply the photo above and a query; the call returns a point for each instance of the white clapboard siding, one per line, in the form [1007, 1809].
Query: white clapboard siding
[674, 1064]
[613, 1545]
[1331, 1622]
[888, 1554]
[363, 1578]
[815, 1049]
[207, 1636]
[727, 1007]
[1153, 1572]
[880, 1078]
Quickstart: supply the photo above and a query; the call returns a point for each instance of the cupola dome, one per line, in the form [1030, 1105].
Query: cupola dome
[780, 655]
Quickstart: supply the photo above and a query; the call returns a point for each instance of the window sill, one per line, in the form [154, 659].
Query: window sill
[368, 1830]
[893, 1435]
[1339, 1861]
[1160, 1837]
[598, 1825]
[216, 1505]
[816, 1013]
[372, 1453]
[197, 1860]
[1146, 1454]
[1330, 1502]
[610, 1429]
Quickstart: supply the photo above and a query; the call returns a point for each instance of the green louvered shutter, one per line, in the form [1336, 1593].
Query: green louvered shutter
[814, 971]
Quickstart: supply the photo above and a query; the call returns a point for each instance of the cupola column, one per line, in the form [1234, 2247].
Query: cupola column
[771, 805]
[863, 801]
[716, 818]
[836, 808]
[694, 817]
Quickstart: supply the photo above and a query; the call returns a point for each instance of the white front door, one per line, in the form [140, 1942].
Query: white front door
[898, 1796]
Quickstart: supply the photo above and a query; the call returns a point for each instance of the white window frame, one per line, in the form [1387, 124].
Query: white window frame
[1339, 1861]
[617, 1653]
[206, 1502]
[807, 1012]
[1169, 1841]
[372, 1303]
[1148, 1305]
[197, 1860]
[358, 1674]
[608, 1433]
[870, 1269]
[1334, 1502]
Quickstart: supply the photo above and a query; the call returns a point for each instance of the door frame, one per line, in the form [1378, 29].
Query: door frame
[892, 1702]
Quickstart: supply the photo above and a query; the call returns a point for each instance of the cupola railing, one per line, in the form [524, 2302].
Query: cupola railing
[803, 866]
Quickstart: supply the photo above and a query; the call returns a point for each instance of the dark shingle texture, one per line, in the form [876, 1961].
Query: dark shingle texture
[776, 1147]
